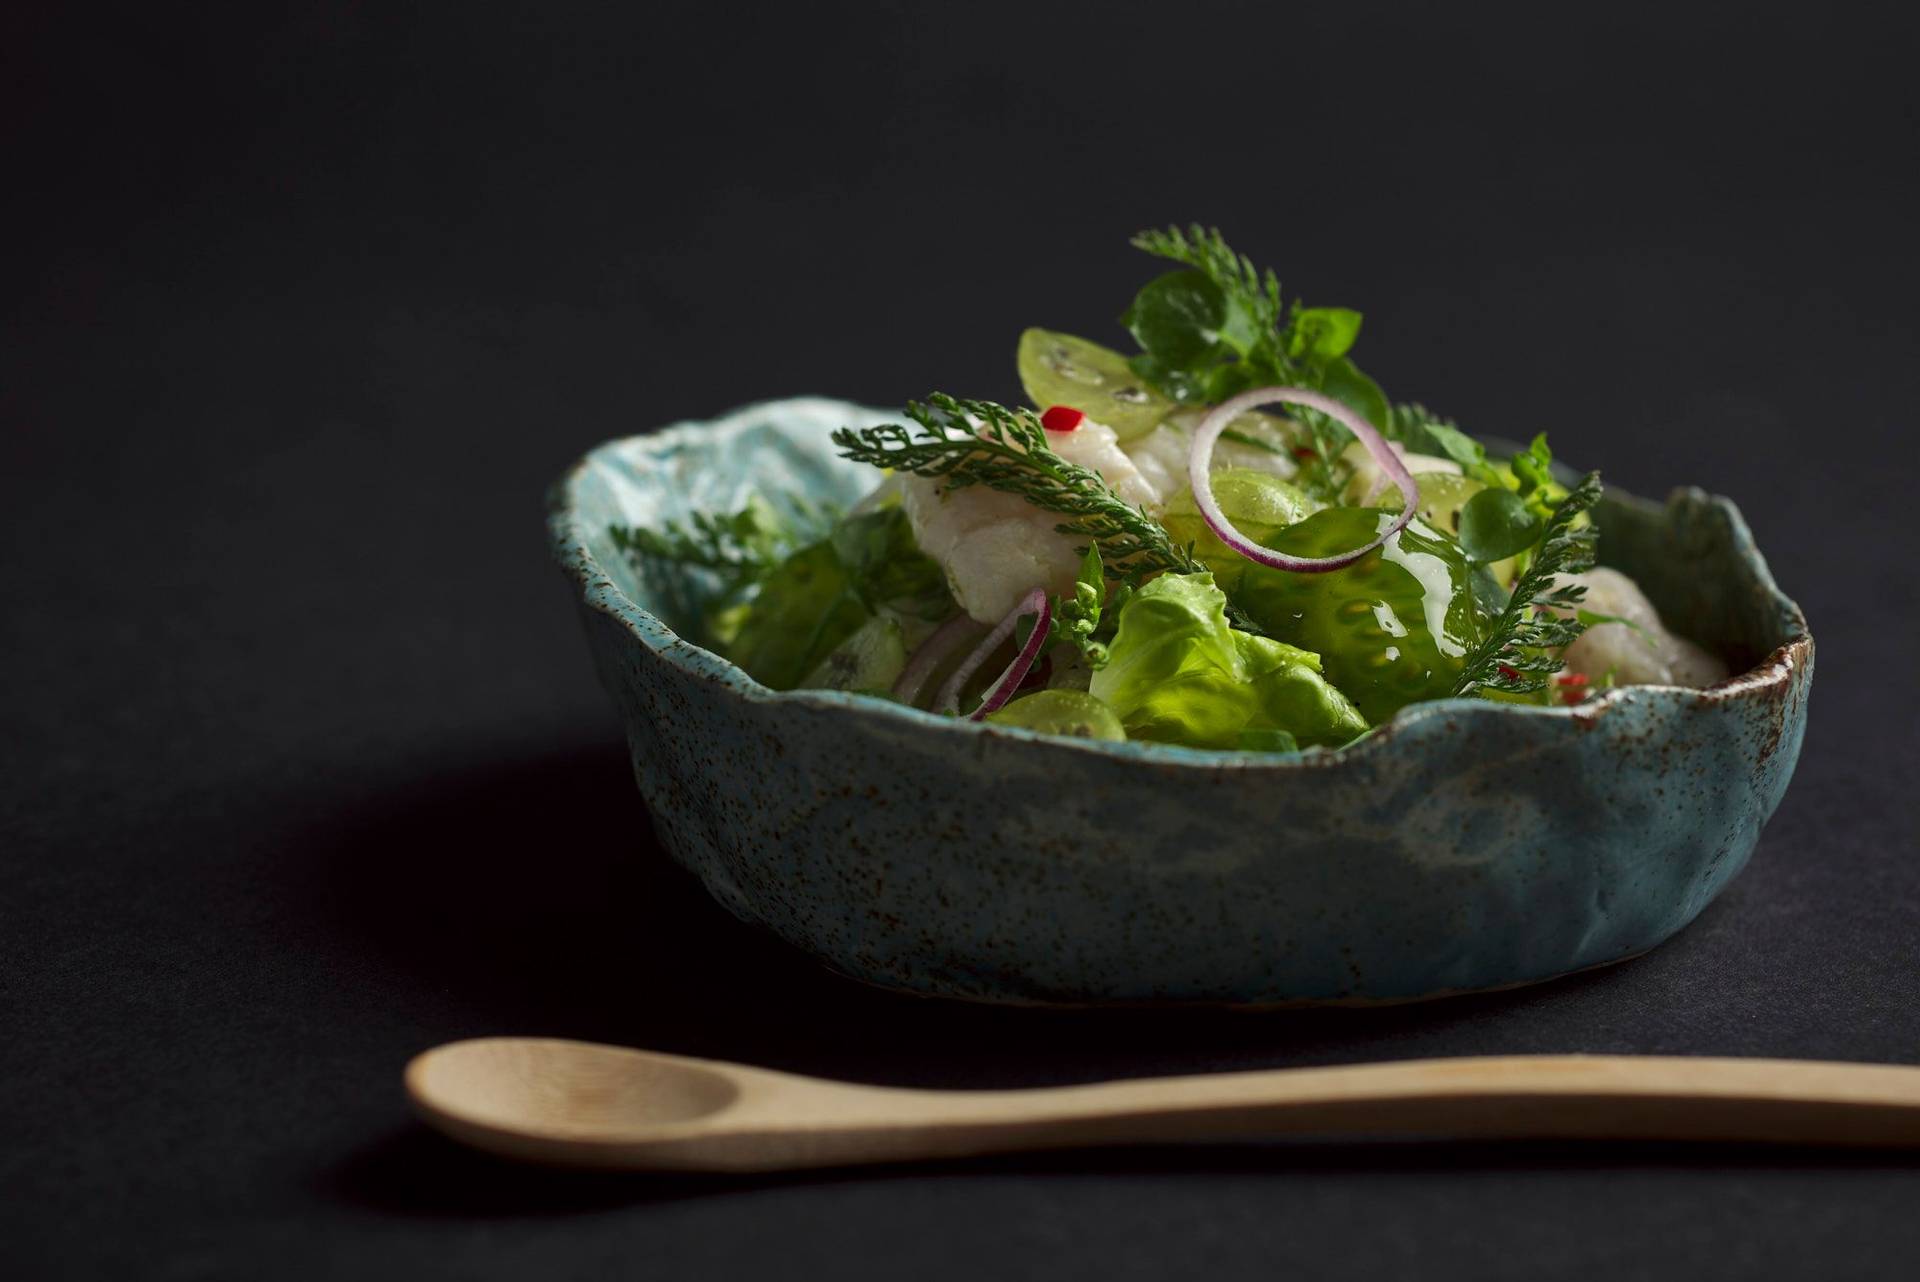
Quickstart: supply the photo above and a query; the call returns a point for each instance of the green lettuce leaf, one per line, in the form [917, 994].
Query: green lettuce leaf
[1177, 673]
[827, 591]
[805, 609]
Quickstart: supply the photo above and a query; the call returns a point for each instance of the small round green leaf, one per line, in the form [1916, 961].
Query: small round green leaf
[1495, 524]
[1178, 318]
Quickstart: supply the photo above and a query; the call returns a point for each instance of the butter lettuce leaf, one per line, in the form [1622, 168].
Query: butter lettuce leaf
[1178, 673]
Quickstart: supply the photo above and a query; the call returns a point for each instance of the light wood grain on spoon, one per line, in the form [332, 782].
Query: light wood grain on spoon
[581, 1104]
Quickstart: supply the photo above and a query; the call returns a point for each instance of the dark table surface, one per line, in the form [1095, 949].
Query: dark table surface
[303, 770]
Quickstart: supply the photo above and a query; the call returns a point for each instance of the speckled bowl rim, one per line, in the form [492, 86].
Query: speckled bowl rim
[598, 590]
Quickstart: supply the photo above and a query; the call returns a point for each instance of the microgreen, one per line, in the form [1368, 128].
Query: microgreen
[1520, 651]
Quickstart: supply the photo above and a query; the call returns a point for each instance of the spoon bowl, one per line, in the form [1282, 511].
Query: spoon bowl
[581, 1104]
[566, 1086]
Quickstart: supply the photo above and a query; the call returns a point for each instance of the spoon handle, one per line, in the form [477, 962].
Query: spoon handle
[1512, 1097]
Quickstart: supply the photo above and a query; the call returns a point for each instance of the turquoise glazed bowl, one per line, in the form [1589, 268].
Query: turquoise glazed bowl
[1463, 845]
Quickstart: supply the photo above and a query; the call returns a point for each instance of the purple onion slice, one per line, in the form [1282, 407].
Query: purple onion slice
[1200, 462]
[933, 652]
[1034, 603]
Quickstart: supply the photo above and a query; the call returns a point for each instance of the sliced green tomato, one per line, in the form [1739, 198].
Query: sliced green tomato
[867, 662]
[1390, 629]
[1064, 712]
[1260, 505]
[1059, 369]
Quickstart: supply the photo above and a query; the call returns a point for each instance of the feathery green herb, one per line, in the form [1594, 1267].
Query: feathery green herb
[1517, 655]
[739, 547]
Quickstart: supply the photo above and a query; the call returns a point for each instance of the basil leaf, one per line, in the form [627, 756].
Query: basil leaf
[1495, 524]
[1322, 333]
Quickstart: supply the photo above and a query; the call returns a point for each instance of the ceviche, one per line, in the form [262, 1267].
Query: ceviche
[1231, 539]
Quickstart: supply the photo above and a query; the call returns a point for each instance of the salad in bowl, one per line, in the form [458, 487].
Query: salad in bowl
[1212, 675]
[1231, 539]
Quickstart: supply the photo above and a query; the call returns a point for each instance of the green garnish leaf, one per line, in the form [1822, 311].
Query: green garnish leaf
[819, 597]
[886, 567]
[1519, 652]
[1322, 333]
[1496, 524]
[1185, 319]
[1076, 618]
[1456, 445]
[1255, 296]
[1533, 467]
[805, 610]
[1344, 382]
[1213, 330]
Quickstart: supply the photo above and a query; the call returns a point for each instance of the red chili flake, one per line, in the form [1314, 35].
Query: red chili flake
[1062, 418]
[1304, 453]
[1573, 696]
[1511, 674]
[1572, 679]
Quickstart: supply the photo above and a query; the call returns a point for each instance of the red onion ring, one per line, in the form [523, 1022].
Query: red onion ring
[1200, 461]
[1034, 603]
[926, 660]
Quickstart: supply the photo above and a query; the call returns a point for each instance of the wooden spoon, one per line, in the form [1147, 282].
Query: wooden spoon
[580, 1104]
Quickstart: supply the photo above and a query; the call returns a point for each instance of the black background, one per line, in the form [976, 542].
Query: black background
[302, 767]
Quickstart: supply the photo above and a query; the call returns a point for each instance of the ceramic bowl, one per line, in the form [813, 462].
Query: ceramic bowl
[1463, 845]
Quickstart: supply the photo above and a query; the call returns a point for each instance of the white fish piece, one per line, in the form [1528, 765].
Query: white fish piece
[1647, 654]
[1096, 446]
[995, 547]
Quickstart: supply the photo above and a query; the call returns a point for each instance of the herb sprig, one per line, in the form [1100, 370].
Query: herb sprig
[740, 547]
[1008, 451]
[1088, 613]
[1518, 653]
[1218, 328]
